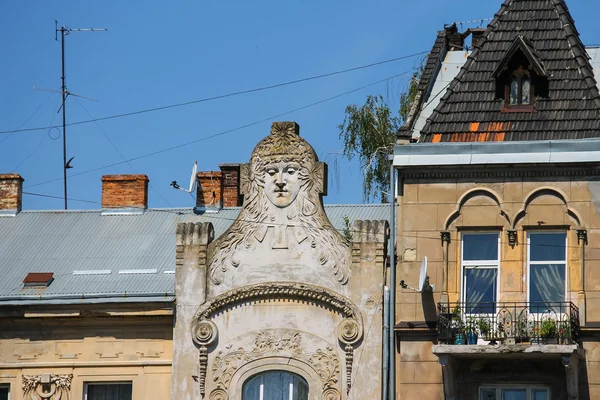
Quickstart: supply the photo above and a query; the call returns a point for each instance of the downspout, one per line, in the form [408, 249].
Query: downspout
[392, 308]
[581, 241]
[386, 352]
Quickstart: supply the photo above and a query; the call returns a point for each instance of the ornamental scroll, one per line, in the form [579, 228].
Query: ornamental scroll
[46, 387]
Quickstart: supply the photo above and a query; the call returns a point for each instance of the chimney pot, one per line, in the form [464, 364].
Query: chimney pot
[125, 191]
[11, 194]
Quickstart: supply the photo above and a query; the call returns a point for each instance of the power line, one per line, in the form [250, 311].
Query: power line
[10, 133]
[227, 131]
[119, 152]
[237, 93]
[269, 223]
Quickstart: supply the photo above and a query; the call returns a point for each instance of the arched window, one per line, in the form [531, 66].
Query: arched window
[519, 90]
[275, 385]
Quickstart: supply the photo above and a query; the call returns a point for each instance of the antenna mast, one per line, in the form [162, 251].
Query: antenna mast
[64, 31]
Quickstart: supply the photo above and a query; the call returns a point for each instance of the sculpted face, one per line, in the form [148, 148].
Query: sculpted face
[281, 183]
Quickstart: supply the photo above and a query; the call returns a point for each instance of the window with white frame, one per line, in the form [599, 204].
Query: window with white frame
[4, 391]
[509, 392]
[108, 391]
[275, 385]
[547, 262]
[480, 257]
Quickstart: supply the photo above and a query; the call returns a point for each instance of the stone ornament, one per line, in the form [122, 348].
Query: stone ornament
[276, 343]
[46, 386]
[218, 394]
[282, 211]
[349, 331]
[204, 332]
[331, 394]
[278, 290]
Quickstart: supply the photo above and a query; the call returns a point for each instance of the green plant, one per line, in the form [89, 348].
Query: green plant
[548, 328]
[483, 326]
[471, 326]
[347, 231]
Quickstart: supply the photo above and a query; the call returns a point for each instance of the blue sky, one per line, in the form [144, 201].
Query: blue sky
[157, 53]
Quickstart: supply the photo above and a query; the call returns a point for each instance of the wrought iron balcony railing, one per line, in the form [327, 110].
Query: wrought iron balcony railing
[512, 322]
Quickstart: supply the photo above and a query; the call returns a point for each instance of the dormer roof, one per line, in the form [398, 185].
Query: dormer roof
[544, 31]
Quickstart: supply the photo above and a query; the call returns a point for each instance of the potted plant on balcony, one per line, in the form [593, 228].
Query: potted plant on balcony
[548, 331]
[471, 330]
[484, 328]
[521, 334]
[564, 333]
[458, 327]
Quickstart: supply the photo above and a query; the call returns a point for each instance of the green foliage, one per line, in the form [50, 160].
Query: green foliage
[548, 328]
[369, 132]
[347, 232]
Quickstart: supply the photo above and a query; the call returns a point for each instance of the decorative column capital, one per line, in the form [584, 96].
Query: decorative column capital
[512, 237]
[582, 236]
[445, 237]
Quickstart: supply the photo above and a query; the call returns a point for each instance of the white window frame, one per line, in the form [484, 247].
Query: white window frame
[483, 264]
[290, 386]
[499, 388]
[91, 383]
[6, 385]
[530, 263]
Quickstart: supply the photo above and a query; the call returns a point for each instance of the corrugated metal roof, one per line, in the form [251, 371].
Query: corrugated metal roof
[98, 246]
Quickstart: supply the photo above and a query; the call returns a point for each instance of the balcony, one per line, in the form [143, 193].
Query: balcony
[508, 323]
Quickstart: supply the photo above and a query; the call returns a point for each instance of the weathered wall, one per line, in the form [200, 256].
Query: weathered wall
[460, 201]
[106, 349]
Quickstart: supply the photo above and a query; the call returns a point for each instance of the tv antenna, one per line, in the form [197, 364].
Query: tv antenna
[424, 285]
[193, 180]
[64, 31]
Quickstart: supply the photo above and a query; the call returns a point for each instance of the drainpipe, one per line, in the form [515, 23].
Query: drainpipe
[581, 241]
[386, 350]
[392, 308]
[445, 236]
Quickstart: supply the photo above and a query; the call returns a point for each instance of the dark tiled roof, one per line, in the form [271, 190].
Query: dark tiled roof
[470, 110]
[430, 71]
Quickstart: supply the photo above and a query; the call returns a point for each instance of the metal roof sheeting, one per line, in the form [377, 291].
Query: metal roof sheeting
[68, 242]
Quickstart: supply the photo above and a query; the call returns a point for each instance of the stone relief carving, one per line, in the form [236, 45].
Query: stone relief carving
[349, 333]
[282, 208]
[46, 386]
[204, 334]
[272, 343]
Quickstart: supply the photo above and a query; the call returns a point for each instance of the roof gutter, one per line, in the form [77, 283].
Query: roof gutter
[85, 296]
[487, 153]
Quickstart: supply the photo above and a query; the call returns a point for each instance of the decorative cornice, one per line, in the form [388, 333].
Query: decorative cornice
[279, 290]
[552, 171]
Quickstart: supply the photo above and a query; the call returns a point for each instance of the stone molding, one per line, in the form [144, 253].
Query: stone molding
[551, 172]
[46, 386]
[280, 290]
[276, 343]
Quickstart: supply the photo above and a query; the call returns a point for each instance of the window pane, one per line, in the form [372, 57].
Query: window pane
[514, 394]
[539, 394]
[525, 91]
[276, 385]
[109, 391]
[487, 394]
[547, 282]
[514, 91]
[481, 246]
[480, 287]
[547, 246]
[3, 392]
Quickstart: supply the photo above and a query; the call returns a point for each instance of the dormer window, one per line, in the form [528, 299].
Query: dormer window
[519, 90]
[520, 77]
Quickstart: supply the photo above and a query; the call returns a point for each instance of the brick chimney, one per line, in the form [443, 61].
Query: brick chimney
[231, 185]
[125, 191]
[209, 195]
[11, 194]
[455, 39]
[476, 36]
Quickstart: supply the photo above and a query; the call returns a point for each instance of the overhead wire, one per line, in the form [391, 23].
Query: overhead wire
[119, 152]
[222, 96]
[183, 211]
[224, 132]
[10, 133]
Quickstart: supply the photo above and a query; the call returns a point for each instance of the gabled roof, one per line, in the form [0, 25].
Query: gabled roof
[99, 258]
[528, 51]
[470, 111]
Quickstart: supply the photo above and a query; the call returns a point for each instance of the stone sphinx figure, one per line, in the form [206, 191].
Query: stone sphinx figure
[282, 232]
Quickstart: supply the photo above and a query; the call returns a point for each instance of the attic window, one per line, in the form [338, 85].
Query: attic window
[37, 279]
[519, 90]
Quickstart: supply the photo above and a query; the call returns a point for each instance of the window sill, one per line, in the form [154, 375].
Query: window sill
[530, 108]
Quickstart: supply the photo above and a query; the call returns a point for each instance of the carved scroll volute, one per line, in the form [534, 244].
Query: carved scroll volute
[349, 333]
[204, 333]
[47, 387]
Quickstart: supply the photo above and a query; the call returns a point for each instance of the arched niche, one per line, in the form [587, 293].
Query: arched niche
[474, 194]
[556, 197]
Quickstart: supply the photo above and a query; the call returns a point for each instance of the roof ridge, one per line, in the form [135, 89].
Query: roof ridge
[554, 37]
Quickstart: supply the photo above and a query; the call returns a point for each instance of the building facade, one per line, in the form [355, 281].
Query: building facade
[281, 295]
[500, 194]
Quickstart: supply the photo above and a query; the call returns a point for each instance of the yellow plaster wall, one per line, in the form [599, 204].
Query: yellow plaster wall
[128, 349]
